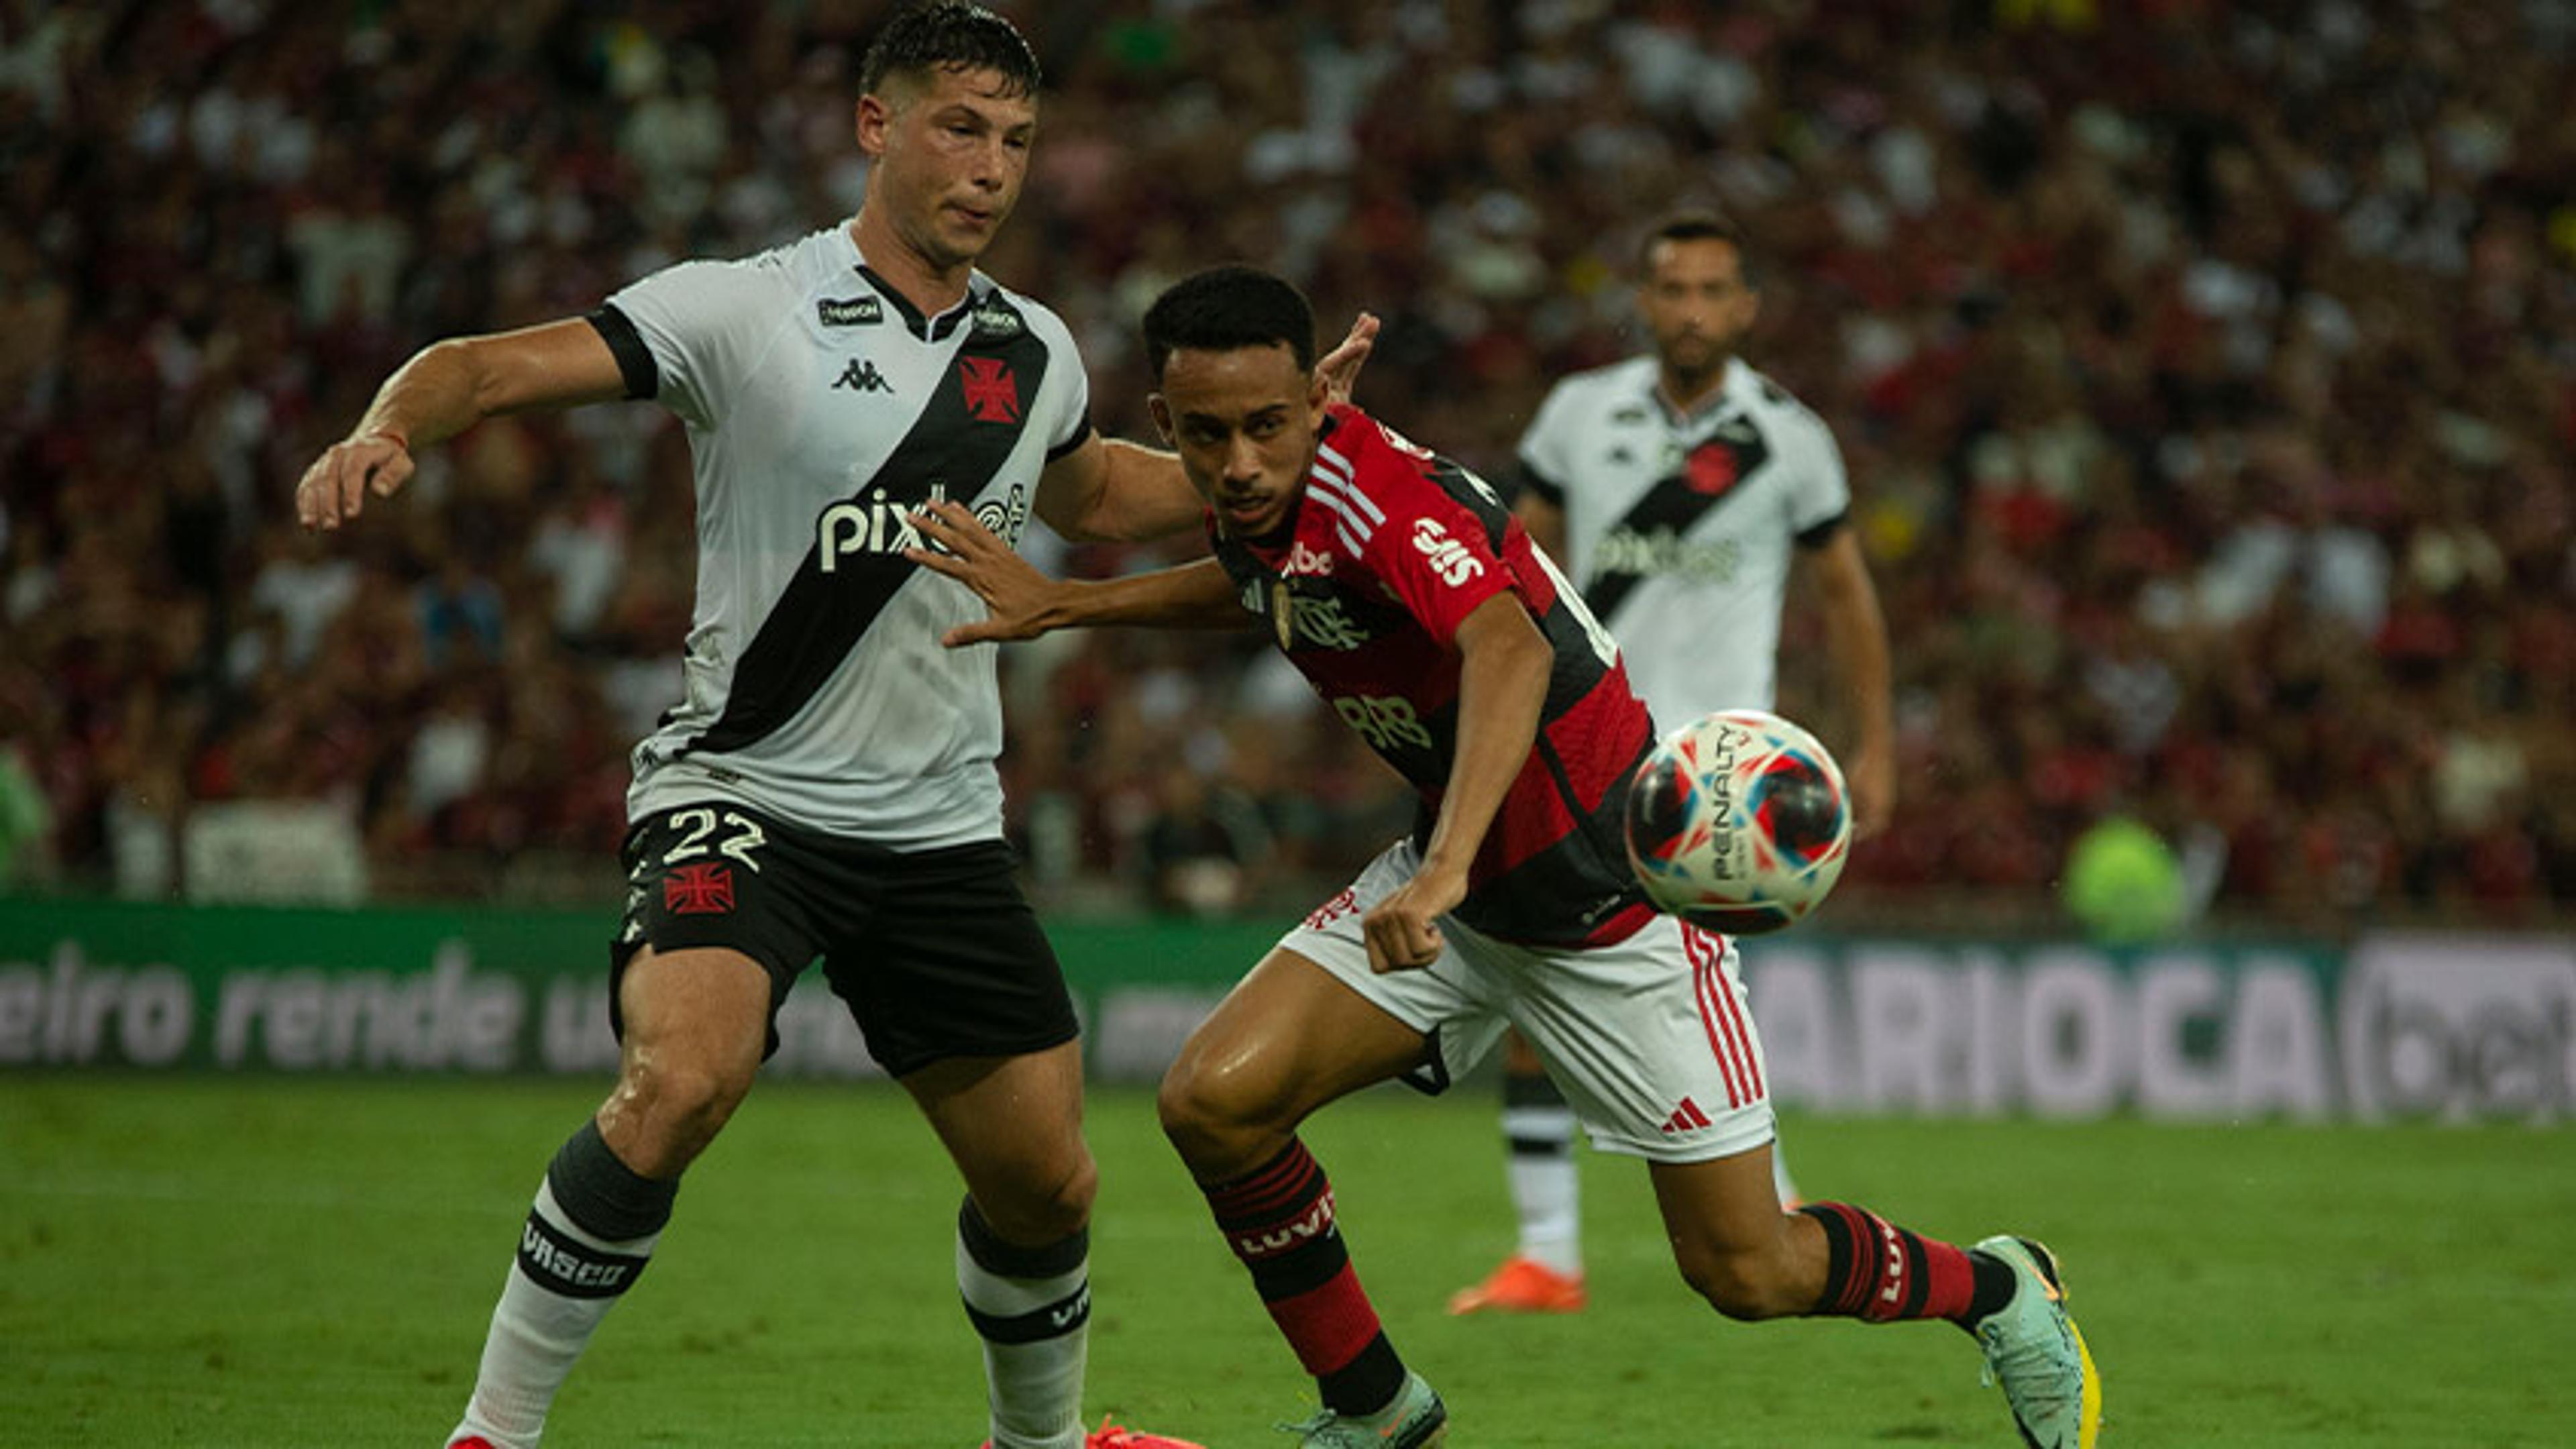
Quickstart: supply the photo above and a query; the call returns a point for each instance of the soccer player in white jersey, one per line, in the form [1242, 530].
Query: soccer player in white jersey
[1678, 489]
[826, 787]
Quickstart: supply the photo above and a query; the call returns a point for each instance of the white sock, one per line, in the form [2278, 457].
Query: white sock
[1545, 1191]
[564, 1281]
[1032, 1308]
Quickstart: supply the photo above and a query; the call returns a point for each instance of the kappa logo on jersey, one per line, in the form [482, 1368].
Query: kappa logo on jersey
[862, 376]
[1304, 560]
[1449, 558]
[849, 311]
[992, 394]
[704, 889]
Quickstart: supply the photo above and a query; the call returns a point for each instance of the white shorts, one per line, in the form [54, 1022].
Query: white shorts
[1649, 1039]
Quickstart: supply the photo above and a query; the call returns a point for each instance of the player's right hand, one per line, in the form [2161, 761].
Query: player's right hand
[335, 488]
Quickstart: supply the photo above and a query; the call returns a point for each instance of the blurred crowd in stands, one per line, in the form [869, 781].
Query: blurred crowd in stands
[2206, 373]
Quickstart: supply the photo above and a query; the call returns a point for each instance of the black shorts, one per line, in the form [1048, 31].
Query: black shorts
[936, 953]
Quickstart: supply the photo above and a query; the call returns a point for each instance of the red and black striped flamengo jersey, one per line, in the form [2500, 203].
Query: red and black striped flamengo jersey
[1389, 550]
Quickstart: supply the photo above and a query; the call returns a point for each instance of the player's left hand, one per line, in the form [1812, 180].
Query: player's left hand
[1340, 368]
[1403, 931]
[1015, 594]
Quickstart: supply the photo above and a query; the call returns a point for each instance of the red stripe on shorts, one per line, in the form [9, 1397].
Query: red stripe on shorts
[1695, 945]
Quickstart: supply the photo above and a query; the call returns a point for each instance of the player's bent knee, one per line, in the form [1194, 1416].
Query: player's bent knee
[1746, 1286]
[677, 1109]
[1213, 1115]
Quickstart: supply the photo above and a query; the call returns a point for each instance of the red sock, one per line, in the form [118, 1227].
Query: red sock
[1279, 1220]
[1879, 1272]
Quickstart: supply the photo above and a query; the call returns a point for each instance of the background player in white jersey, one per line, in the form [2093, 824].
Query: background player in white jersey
[826, 787]
[1681, 490]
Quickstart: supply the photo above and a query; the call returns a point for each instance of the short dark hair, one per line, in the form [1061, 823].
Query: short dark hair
[950, 35]
[1226, 308]
[1682, 226]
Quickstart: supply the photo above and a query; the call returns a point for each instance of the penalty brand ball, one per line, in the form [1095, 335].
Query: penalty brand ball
[1739, 823]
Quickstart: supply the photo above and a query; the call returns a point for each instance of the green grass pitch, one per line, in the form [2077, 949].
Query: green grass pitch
[272, 1262]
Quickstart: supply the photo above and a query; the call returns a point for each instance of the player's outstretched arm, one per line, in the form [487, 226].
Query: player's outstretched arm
[1502, 690]
[1110, 490]
[1022, 603]
[444, 389]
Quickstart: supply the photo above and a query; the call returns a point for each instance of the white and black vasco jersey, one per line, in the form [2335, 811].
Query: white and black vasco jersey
[821, 408]
[1679, 530]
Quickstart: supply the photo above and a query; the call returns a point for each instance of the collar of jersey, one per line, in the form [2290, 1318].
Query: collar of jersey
[1728, 399]
[928, 329]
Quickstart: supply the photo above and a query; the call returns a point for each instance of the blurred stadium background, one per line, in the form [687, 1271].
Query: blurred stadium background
[2206, 372]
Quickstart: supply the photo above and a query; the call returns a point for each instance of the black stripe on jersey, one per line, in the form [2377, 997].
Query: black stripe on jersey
[1672, 506]
[1527, 903]
[820, 617]
[634, 360]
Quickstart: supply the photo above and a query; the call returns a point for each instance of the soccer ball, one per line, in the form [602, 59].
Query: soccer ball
[1738, 822]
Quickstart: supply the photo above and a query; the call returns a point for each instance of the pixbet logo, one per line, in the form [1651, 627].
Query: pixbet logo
[882, 526]
[1662, 551]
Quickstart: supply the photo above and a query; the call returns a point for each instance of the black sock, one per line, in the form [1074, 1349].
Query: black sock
[1996, 1283]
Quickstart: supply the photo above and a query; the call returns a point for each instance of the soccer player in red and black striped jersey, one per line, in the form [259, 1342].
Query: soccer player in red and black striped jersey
[1411, 599]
